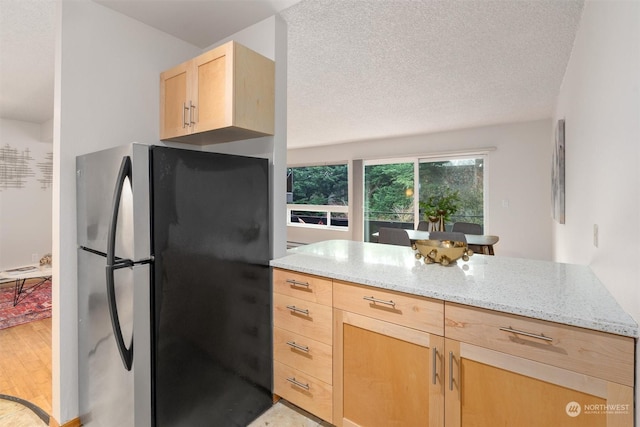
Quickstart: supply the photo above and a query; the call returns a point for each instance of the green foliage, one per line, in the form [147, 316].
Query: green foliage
[446, 203]
[454, 187]
[389, 192]
[464, 177]
[320, 185]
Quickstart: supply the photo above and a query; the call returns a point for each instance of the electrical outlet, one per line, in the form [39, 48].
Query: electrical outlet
[505, 203]
[595, 235]
[34, 258]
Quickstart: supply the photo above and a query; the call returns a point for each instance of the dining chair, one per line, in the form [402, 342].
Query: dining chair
[393, 236]
[467, 228]
[423, 226]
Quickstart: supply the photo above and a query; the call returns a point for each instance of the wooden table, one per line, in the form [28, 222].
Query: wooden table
[479, 243]
[21, 274]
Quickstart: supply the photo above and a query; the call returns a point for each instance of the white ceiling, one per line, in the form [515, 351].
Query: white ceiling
[357, 69]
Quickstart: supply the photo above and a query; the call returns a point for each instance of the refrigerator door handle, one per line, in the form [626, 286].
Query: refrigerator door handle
[112, 264]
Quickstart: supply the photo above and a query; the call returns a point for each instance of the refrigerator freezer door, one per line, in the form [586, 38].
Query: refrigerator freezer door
[106, 388]
[96, 182]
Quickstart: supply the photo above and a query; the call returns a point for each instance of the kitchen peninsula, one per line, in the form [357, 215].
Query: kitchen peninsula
[490, 341]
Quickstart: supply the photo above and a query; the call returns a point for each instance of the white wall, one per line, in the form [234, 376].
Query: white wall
[600, 101]
[25, 213]
[106, 94]
[518, 171]
[272, 147]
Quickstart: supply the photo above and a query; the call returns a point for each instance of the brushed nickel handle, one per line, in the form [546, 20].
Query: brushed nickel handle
[527, 334]
[296, 283]
[451, 370]
[298, 383]
[298, 346]
[298, 310]
[184, 115]
[434, 368]
[381, 301]
[192, 108]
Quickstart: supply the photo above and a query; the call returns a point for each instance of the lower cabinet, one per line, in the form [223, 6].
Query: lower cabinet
[489, 388]
[386, 374]
[302, 341]
[504, 369]
[361, 356]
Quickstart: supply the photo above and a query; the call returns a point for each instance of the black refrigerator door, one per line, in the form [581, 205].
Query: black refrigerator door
[212, 361]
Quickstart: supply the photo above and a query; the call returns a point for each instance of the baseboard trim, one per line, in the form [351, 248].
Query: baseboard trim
[72, 423]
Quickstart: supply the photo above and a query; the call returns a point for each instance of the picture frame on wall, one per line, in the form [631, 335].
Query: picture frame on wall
[558, 175]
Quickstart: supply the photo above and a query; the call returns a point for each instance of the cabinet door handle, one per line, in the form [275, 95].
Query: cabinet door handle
[296, 283]
[526, 334]
[298, 383]
[185, 123]
[298, 310]
[434, 372]
[192, 108]
[298, 346]
[381, 301]
[451, 370]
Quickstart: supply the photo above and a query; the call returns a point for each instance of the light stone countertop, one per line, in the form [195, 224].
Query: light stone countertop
[564, 293]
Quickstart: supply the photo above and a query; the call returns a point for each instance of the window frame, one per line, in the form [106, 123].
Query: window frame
[327, 209]
[435, 157]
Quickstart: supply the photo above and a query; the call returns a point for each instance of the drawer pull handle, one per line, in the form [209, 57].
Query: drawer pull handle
[451, 370]
[526, 334]
[298, 346]
[298, 310]
[381, 301]
[293, 380]
[296, 283]
[434, 368]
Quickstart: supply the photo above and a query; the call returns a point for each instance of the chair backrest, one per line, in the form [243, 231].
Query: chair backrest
[467, 228]
[423, 226]
[447, 235]
[393, 236]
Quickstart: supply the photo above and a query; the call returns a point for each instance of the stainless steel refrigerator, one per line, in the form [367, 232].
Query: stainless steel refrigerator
[174, 287]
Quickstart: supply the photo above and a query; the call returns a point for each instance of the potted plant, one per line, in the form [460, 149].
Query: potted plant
[439, 207]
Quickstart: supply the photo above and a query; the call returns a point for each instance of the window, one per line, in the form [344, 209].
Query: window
[391, 200]
[464, 175]
[318, 196]
[388, 197]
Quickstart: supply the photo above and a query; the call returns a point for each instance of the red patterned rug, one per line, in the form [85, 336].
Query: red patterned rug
[35, 305]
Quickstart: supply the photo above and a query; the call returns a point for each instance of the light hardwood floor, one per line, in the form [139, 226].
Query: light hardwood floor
[25, 362]
[25, 372]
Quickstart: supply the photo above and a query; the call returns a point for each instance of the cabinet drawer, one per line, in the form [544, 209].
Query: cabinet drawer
[303, 317]
[593, 353]
[403, 309]
[304, 286]
[304, 354]
[307, 392]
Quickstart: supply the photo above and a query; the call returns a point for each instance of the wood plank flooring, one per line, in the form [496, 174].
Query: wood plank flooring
[25, 363]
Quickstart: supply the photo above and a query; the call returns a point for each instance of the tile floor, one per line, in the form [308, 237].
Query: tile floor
[284, 414]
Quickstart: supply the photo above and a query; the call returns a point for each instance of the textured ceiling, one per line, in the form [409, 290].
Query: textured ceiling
[357, 69]
[372, 69]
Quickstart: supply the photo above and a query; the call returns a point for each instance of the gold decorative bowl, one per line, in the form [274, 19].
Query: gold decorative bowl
[443, 252]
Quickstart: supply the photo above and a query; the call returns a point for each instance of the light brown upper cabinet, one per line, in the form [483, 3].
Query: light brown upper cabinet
[225, 94]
